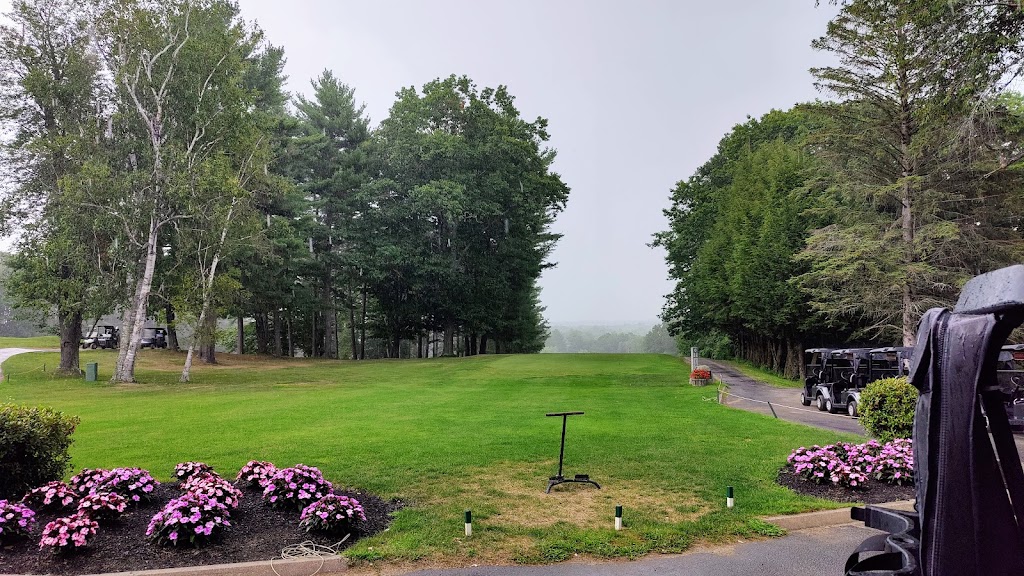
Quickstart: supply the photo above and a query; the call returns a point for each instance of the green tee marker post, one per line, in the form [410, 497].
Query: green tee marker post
[618, 517]
[729, 500]
[469, 523]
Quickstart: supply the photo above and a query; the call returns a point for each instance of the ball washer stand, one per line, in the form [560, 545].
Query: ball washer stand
[560, 479]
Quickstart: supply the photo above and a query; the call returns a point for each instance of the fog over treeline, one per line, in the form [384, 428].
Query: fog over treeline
[619, 338]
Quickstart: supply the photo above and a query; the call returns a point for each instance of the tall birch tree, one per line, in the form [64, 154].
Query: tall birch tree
[176, 65]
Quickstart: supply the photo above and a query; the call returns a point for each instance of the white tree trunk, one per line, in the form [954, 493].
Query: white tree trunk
[135, 316]
[186, 371]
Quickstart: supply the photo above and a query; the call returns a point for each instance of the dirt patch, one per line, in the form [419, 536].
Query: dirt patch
[872, 493]
[516, 495]
[258, 532]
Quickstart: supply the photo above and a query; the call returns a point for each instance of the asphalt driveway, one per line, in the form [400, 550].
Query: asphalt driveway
[745, 392]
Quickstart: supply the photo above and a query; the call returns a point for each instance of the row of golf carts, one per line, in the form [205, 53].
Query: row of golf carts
[836, 377]
[110, 337]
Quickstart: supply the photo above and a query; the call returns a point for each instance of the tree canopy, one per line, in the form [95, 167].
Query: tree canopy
[841, 221]
[162, 172]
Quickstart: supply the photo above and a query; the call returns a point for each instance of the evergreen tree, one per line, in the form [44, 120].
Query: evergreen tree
[735, 228]
[910, 77]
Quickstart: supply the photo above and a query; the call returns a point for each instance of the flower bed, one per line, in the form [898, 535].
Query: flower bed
[700, 374]
[894, 464]
[258, 531]
[851, 465]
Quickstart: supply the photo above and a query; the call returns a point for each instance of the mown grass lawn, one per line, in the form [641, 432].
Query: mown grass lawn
[33, 342]
[445, 435]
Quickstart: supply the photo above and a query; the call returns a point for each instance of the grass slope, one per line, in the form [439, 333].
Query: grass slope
[446, 435]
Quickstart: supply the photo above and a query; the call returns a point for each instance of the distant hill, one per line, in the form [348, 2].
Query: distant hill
[623, 338]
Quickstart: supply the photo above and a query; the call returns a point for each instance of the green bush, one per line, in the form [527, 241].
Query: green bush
[34, 446]
[887, 408]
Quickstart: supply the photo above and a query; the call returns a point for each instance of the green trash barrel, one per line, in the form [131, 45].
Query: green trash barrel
[90, 372]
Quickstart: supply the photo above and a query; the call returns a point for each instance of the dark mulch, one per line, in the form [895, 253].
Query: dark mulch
[258, 532]
[872, 493]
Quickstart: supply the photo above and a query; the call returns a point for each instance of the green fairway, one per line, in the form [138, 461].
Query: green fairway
[33, 342]
[445, 435]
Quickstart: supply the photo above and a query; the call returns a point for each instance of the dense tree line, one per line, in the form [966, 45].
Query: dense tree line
[842, 221]
[158, 169]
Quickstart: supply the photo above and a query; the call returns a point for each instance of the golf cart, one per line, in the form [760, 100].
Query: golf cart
[102, 337]
[1010, 378]
[850, 374]
[817, 370]
[153, 338]
[890, 362]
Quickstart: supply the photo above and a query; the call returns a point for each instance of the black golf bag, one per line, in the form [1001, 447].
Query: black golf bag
[969, 517]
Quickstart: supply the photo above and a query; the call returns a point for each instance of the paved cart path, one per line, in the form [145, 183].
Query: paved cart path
[786, 401]
[6, 353]
[812, 552]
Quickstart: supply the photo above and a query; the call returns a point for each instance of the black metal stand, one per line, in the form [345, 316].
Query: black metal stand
[559, 479]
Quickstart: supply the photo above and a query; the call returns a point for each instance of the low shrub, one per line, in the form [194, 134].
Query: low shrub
[256, 473]
[185, 470]
[887, 408]
[51, 497]
[65, 534]
[296, 487]
[16, 521]
[194, 518]
[34, 446]
[332, 513]
[214, 486]
[103, 506]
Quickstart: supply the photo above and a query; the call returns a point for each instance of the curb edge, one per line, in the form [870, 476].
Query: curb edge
[823, 518]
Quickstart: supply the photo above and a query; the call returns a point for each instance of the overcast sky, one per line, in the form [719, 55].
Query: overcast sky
[638, 93]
